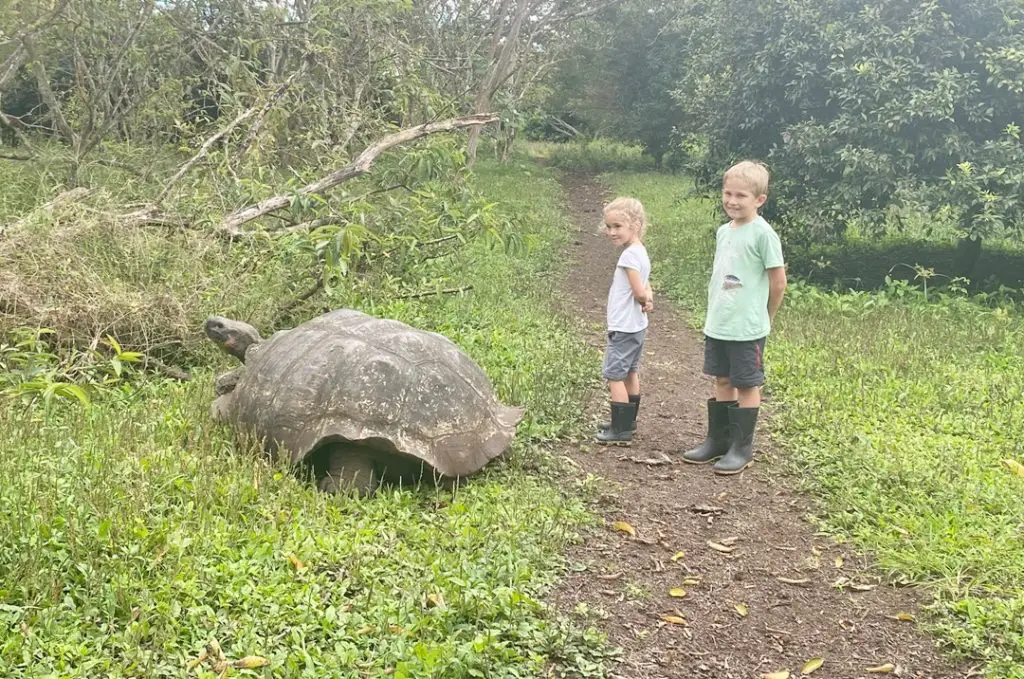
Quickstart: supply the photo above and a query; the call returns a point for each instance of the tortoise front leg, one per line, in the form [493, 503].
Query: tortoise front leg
[349, 468]
[226, 383]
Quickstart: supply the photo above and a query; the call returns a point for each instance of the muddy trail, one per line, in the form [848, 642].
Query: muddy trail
[763, 592]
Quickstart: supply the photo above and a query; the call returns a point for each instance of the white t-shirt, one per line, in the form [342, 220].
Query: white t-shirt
[624, 311]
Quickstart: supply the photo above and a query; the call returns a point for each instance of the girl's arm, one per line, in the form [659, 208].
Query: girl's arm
[641, 290]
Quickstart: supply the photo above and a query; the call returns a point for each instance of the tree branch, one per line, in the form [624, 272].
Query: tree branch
[203, 150]
[429, 293]
[231, 225]
[254, 130]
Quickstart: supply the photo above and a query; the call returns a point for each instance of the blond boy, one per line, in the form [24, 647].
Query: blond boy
[747, 285]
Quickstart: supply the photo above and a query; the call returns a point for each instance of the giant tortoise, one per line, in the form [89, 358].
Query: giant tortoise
[358, 399]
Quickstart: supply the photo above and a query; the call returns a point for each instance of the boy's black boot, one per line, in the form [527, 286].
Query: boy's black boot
[621, 430]
[742, 422]
[718, 439]
[634, 400]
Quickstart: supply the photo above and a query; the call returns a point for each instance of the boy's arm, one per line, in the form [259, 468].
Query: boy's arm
[649, 305]
[641, 290]
[776, 289]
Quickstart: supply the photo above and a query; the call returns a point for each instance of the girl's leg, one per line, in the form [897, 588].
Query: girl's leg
[632, 384]
[618, 392]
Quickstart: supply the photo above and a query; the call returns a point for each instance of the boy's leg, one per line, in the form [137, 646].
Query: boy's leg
[716, 442]
[724, 391]
[747, 376]
[749, 397]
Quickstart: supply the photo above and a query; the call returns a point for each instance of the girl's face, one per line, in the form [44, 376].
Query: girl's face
[620, 229]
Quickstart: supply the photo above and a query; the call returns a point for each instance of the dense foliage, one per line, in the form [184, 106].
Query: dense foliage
[860, 108]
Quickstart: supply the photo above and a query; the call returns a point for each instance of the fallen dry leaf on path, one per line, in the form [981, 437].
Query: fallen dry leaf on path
[677, 592]
[812, 666]
[719, 547]
[742, 610]
[794, 581]
[624, 527]
[674, 619]
[902, 617]
[887, 668]
[782, 674]
[678, 555]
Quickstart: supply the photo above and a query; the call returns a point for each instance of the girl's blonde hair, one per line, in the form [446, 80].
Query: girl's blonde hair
[630, 208]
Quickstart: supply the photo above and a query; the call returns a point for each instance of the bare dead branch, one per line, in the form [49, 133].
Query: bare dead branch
[12, 64]
[254, 129]
[10, 156]
[63, 198]
[203, 150]
[231, 224]
[317, 286]
[46, 92]
[17, 57]
[429, 293]
[164, 369]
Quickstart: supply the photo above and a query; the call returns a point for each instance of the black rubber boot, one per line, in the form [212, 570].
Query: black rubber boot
[634, 400]
[621, 430]
[742, 422]
[716, 444]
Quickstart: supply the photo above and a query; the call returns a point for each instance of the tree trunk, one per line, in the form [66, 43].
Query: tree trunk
[498, 74]
[965, 261]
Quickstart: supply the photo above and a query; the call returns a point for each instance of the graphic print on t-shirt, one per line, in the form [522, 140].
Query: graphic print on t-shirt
[731, 282]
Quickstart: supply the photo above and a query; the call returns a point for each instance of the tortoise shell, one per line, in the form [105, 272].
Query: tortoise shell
[348, 376]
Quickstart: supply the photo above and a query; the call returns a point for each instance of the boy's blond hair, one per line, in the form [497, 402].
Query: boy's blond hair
[630, 208]
[753, 174]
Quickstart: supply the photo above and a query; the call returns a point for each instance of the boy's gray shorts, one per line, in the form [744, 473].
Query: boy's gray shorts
[622, 354]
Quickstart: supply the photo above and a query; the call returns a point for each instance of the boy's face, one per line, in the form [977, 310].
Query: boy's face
[739, 200]
[619, 229]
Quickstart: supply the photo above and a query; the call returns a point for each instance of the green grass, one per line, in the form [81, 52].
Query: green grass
[592, 155]
[137, 529]
[898, 411]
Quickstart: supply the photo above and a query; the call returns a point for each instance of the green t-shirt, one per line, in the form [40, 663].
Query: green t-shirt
[738, 291]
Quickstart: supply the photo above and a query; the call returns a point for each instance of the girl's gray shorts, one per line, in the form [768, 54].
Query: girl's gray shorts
[622, 354]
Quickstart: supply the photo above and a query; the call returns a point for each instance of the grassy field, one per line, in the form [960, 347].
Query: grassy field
[899, 409]
[135, 530]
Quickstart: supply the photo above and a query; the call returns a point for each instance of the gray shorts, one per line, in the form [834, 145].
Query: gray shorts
[741, 362]
[622, 355]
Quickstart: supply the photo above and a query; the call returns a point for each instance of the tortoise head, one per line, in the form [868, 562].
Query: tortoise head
[234, 337]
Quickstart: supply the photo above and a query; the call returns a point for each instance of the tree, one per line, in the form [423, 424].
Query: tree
[859, 106]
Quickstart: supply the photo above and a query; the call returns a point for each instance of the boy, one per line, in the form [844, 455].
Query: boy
[747, 284]
[629, 300]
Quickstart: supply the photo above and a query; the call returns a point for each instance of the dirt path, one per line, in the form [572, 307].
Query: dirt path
[742, 620]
